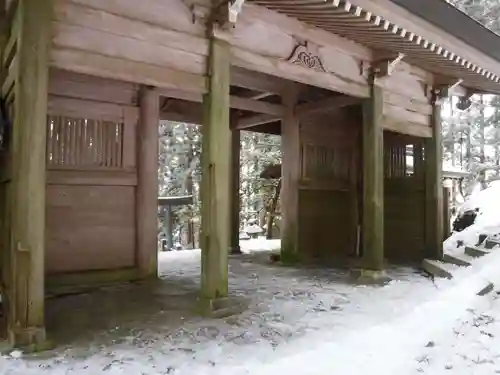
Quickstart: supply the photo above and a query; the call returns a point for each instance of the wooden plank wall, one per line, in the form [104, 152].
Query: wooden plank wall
[404, 199]
[407, 107]
[91, 173]
[329, 185]
[154, 43]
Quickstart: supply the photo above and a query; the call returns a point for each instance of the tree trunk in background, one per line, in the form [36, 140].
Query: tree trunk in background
[272, 211]
[468, 147]
[190, 241]
[482, 140]
[452, 133]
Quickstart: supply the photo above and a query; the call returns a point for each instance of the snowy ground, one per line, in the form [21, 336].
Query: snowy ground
[471, 347]
[299, 321]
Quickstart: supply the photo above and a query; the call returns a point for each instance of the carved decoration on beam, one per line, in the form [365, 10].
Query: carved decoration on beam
[302, 56]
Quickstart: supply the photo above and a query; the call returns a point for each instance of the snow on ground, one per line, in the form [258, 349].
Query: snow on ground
[471, 346]
[487, 221]
[299, 321]
[259, 244]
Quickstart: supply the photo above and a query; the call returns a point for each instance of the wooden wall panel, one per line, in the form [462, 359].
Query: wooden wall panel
[326, 229]
[404, 220]
[150, 44]
[328, 197]
[404, 199]
[91, 177]
[90, 228]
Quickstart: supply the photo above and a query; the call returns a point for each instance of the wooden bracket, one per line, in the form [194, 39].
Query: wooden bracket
[196, 13]
[225, 14]
[445, 91]
[385, 67]
[234, 9]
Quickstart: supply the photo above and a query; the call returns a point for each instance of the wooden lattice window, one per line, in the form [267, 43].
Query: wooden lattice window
[395, 161]
[83, 143]
[325, 163]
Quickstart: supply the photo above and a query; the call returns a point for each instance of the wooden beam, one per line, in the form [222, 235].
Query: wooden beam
[256, 81]
[25, 288]
[262, 95]
[189, 118]
[236, 102]
[216, 180]
[256, 106]
[130, 71]
[405, 127]
[251, 121]
[147, 183]
[327, 104]
[433, 188]
[373, 181]
[290, 144]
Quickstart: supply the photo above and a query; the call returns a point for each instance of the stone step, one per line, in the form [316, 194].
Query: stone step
[437, 268]
[487, 289]
[462, 260]
[475, 252]
[490, 244]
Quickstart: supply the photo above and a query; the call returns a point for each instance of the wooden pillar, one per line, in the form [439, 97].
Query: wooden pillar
[373, 181]
[433, 188]
[147, 183]
[290, 171]
[216, 175]
[235, 192]
[27, 190]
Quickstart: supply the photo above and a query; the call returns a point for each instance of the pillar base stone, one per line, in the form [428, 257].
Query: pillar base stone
[370, 277]
[222, 307]
[29, 340]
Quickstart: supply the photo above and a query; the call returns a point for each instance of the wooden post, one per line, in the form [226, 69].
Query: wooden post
[235, 192]
[433, 188]
[147, 183]
[373, 181]
[290, 144]
[26, 291]
[216, 176]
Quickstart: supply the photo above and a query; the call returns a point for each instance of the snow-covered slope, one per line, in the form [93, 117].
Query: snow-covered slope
[487, 221]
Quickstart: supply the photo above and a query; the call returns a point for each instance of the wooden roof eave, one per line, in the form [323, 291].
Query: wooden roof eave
[355, 23]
